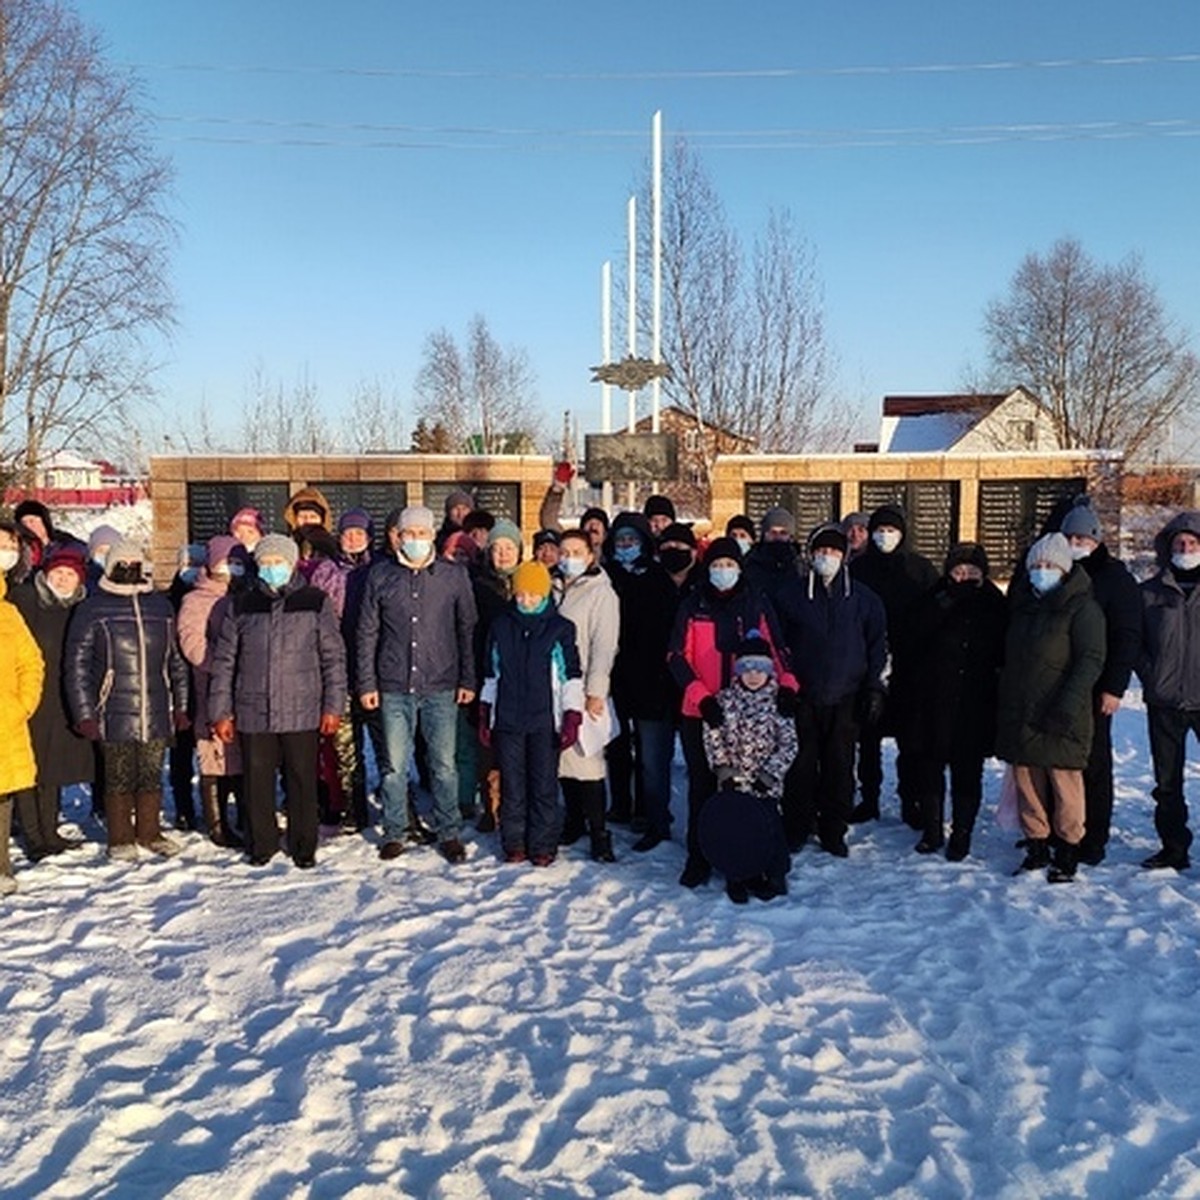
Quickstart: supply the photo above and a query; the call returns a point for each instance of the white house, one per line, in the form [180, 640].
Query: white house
[966, 424]
[66, 470]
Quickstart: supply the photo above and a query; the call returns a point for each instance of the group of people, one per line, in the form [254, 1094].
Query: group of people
[542, 696]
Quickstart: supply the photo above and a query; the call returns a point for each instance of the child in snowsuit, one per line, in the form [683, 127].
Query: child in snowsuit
[531, 708]
[749, 752]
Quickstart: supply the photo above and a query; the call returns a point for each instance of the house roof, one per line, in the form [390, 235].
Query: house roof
[926, 406]
[643, 424]
[932, 423]
[67, 460]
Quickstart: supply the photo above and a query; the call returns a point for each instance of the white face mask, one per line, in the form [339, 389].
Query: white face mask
[9, 559]
[1078, 553]
[1186, 560]
[826, 565]
[886, 539]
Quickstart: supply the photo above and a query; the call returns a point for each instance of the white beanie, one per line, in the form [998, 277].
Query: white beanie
[1054, 549]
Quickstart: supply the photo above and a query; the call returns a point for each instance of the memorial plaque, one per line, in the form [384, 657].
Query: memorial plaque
[631, 457]
[930, 508]
[211, 505]
[812, 504]
[1012, 512]
[378, 498]
[500, 499]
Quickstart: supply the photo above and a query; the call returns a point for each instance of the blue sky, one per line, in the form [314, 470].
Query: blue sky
[351, 177]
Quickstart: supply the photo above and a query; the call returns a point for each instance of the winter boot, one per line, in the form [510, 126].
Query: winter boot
[865, 810]
[149, 829]
[1037, 855]
[118, 821]
[602, 848]
[573, 822]
[959, 846]
[213, 801]
[1062, 870]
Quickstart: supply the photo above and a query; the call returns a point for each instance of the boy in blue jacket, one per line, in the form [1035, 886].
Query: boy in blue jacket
[531, 708]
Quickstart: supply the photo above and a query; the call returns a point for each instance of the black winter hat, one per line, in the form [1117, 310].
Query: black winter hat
[659, 506]
[678, 532]
[888, 514]
[966, 552]
[544, 536]
[743, 522]
[753, 648]
[829, 535]
[595, 514]
[722, 547]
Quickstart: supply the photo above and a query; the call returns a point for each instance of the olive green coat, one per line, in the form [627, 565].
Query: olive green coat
[1053, 657]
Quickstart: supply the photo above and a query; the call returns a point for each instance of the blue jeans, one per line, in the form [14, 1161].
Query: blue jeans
[655, 748]
[439, 723]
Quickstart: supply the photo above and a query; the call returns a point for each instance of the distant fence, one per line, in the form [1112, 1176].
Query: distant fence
[66, 498]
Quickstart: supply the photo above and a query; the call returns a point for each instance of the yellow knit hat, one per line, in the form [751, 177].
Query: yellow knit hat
[531, 577]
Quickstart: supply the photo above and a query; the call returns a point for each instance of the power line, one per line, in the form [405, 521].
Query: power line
[765, 73]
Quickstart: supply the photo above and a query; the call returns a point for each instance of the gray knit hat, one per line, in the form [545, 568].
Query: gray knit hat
[1053, 549]
[277, 544]
[124, 550]
[416, 516]
[504, 528]
[775, 518]
[1081, 520]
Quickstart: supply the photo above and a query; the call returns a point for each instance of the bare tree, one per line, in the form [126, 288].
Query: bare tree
[375, 419]
[483, 394]
[746, 343]
[83, 235]
[1094, 343]
[278, 420]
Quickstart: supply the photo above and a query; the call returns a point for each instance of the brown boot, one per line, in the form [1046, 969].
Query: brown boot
[149, 827]
[118, 823]
[212, 800]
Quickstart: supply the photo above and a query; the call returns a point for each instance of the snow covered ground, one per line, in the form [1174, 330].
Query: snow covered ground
[896, 1026]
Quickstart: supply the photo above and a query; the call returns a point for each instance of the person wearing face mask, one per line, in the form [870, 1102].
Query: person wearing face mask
[898, 576]
[127, 689]
[590, 603]
[415, 658]
[711, 624]
[775, 559]
[343, 579]
[835, 631]
[1053, 656]
[10, 552]
[278, 684]
[200, 618]
[1116, 591]
[958, 631]
[644, 694]
[530, 711]
[48, 602]
[1169, 667]
[741, 529]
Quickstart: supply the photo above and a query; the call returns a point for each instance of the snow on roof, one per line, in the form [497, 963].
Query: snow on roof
[68, 460]
[935, 431]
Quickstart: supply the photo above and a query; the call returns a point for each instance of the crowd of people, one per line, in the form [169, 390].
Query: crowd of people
[541, 696]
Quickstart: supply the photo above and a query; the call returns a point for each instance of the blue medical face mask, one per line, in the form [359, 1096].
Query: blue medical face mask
[1045, 579]
[724, 579]
[627, 553]
[572, 568]
[274, 575]
[189, 574]
[416, 549]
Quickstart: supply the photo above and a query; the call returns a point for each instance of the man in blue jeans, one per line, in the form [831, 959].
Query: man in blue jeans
[416, 659]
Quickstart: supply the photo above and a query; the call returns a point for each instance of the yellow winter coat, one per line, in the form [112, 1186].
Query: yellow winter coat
[21, 673]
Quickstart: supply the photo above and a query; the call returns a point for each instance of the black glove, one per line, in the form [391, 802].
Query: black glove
[786, 700]
[761, 785]
[710, 712]
[1055, 722]
[870, 707]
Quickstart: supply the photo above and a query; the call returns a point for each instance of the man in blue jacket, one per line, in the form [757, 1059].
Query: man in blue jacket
[836, 632]
[415, 658]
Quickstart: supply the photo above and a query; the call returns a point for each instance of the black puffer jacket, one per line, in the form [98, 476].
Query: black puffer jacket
[958, 639]
[1053, 656]
[122, 666]
[1116, 591]
[1169, 663]
[63, 757]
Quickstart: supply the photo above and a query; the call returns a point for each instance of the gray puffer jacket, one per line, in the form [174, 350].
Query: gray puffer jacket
[1169, 662]
[279, 662]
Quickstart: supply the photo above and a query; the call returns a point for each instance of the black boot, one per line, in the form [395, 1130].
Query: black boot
[959, 846]
[212, 799]
[865, 810]
[1037, 855]
[1063, 868]
[602, 848]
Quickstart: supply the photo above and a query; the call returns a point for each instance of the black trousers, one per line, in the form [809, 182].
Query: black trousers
[181, 770]
[1168, 750]
[818, 790]
[1098, 786]
[262, 755]
[966, 791]
[529, 817]
[702, 782]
